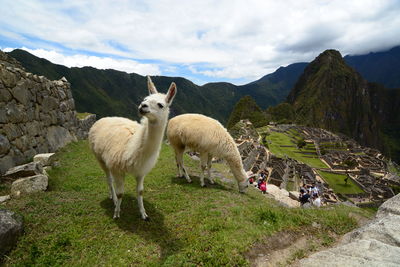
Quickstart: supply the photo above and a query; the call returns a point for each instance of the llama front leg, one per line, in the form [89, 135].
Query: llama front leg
[181, 167]
[209, 160]
[203, 166]
[139, 189]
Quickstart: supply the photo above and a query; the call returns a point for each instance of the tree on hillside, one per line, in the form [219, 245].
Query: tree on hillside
[282, 113]
[247, 108]
[301, 143]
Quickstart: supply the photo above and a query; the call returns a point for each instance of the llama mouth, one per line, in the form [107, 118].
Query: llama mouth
[142, 111]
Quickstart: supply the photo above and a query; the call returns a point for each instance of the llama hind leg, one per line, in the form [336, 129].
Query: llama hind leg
[181, 167]
[139, 189]
[119, 191]
[110, 181]
[209, 160]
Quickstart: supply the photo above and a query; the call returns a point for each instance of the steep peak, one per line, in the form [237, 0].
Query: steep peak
[329, 57]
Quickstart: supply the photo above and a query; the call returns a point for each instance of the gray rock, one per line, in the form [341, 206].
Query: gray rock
[360, 253]
[22, 143]
[12, 131]
[375, 244]
[50, 103]
[6, 163]
[45, 159]
[21, 93]
[30, 184]
[15, 113]
[8, 78]
[58, 137]
[29, 169]
[4, 145]
[3, 114]
[5, 95]
[391, 206]
[4, 198]
[11, 228]
[385, 229]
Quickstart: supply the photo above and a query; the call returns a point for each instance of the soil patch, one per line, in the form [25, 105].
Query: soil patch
[284, 248]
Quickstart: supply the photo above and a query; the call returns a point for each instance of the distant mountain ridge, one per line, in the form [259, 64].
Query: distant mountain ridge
[115, 93]
[380, 67]
[332, 95]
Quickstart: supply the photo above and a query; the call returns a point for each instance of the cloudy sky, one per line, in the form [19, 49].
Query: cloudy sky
[202, 40]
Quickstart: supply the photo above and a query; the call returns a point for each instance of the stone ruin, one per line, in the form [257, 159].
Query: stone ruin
[254, 155]
[36, 115]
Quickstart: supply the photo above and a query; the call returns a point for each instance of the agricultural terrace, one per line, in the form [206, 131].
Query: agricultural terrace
[284, 144]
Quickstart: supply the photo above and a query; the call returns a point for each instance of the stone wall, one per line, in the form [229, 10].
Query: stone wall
[36, 115]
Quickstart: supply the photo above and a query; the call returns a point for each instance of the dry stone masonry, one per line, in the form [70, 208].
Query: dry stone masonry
[36, 115]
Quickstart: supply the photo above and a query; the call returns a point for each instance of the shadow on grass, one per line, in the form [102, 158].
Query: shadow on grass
[196, 183]
[154, 230]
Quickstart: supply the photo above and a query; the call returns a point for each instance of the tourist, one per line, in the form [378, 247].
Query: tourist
[251, 180]
[260, 180]
[314, 190]
[316, 201]
[304, 197]
[263, 187]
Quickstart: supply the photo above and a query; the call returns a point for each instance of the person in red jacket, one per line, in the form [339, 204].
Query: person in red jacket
[263, 187]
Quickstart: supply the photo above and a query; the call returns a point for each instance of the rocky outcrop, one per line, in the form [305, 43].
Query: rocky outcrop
[36, 115]
[29, 169]
[374, 244]
[11, 227]
[27, 185]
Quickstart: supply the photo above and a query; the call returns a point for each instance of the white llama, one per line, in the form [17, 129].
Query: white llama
[208, 137]
[124, 146]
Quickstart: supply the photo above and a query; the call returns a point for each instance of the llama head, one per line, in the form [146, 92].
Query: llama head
[244, 184]
[156, 105]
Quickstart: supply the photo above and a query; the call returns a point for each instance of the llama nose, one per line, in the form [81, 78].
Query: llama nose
[142, 109]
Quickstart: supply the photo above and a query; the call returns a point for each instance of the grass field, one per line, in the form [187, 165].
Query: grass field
[278, 140]
[71, 224]
[336, 182]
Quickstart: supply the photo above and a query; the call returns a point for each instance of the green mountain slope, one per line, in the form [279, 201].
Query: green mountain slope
[110, 92]
[247, 108]
[332, 95]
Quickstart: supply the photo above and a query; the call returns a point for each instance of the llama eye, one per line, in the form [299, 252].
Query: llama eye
[160, 105]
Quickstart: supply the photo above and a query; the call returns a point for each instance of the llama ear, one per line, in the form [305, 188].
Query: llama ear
[171, 93]
[150, 86]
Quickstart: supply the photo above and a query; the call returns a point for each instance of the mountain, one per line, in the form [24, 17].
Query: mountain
[115, 93]
[247, 108]
[279, 84]
[381, 67]
[332, 95]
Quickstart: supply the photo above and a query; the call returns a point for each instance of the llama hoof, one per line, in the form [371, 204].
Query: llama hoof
[189, 181]
[116, 214]
[147, 219]
[203, 185]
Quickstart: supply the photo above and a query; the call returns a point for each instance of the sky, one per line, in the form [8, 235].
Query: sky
[201, 40]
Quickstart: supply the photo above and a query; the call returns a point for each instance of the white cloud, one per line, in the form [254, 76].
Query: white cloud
[236, 39]
[79, 60]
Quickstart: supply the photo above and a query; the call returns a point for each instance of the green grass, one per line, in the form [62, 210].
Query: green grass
[336, 182]
[277, 140]
[71, 224]
[82, 115]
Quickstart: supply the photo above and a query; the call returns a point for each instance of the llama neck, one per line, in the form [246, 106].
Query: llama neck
[152, 135]
[235, 164]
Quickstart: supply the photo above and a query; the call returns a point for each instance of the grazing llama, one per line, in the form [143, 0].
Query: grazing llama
[123, 146]
[208, 137]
